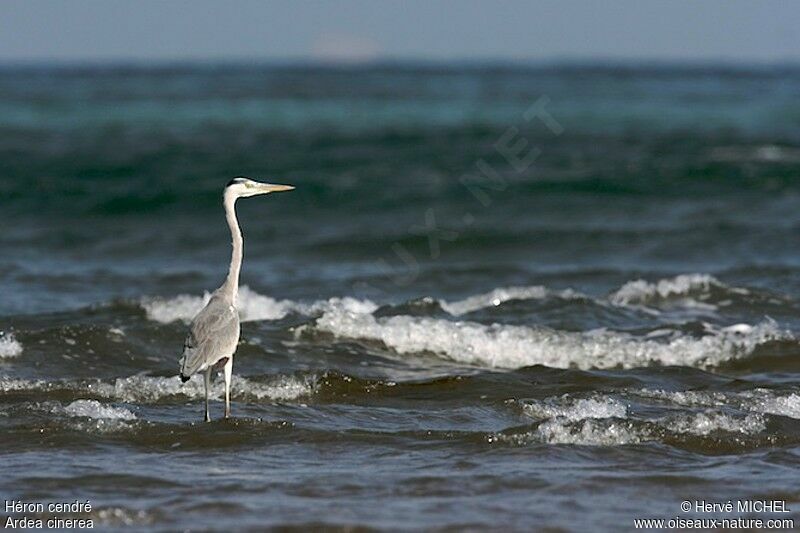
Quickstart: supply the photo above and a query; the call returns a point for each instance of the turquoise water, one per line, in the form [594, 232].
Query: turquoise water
[611, 328]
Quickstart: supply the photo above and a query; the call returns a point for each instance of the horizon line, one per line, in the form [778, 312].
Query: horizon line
[310, 61]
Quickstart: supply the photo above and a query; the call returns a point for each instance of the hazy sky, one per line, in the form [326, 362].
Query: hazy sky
[730, 30]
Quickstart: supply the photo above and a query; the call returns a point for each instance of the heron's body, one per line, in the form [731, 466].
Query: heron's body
[214, 332]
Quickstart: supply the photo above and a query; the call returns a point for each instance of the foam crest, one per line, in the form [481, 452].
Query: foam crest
[501, 295]
[252, 307]
[581, 409]
[585, 421]
[605, 421]
[343, 305]
[761, 401]
[9, 346]
[587, 433]
[764, 401]
[8, 384]
[507, 346]
[708, 422]
[96, 410]
[688, 290]
[149, 389]
[685, 289]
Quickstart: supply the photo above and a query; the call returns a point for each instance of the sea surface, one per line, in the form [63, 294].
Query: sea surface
[556, 297]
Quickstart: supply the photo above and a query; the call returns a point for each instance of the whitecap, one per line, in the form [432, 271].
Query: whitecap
[251, 305]
[9, 346]
[687, 398]
[602, 420]
[761, 401]
[346, 304]
[687, 290]
[508, 346]
[707, 422]
[765, 401]
[587, 433]
[8, 384]
[573, 410]
[96, 410]
[494, 298]
[150, 389]
[182, 307]
[680, 288]
[615, 432]
[585, 421]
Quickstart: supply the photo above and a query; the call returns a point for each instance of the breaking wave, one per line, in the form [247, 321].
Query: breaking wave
[499, 296]
[689, 290]
[576, 409]
[762, 401]
[97, 410]
[515, 346]
[140, 389]
[606, 421]
[93, 416]
[9, 346]
[148, 389]
[508, 346]
[252, 306]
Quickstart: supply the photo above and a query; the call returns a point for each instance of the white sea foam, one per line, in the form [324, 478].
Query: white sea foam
[567, 420]
[580, 409]
[602, 420]
[761, 401]
[687, 398]
[507, 346]
[765, 401]
[681, 289]
[149, 389]
[120, 516]
[708, 422]
[97, 410]
[499, 296]
[252, 306]
[346, 305]
[591, 432]
[9, 346]
[8, 384]
[511, 346]
[688, 290]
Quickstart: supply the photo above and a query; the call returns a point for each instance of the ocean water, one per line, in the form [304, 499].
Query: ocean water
[504, 298]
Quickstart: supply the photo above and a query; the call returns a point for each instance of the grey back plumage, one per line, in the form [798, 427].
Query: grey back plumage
[213, 334]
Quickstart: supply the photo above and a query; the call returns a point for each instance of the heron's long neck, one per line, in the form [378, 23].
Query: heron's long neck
[231, 285]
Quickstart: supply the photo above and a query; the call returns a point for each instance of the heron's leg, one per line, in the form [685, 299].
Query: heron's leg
[208, 385]
[228, 369]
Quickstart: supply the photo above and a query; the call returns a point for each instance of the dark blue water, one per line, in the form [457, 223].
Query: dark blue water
[503, 298]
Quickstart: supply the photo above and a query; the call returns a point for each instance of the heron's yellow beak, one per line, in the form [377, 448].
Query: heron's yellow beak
[271, 187]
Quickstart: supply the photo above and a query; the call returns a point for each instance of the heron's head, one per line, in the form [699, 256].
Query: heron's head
[241, 187]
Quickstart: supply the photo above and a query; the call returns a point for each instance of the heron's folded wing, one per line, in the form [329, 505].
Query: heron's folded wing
[211, 334]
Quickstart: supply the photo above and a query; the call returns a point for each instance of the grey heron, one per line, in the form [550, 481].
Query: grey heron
[214, 332]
